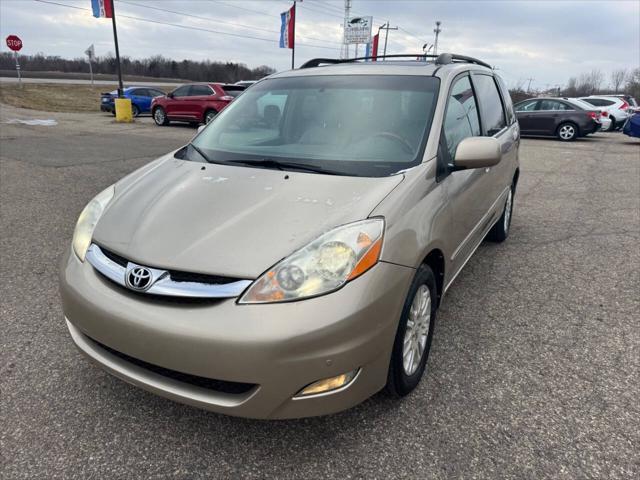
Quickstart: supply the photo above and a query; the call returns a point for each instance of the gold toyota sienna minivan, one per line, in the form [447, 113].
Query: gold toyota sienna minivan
[290, 260]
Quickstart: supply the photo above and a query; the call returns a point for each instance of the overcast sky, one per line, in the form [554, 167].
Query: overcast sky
[546, 40]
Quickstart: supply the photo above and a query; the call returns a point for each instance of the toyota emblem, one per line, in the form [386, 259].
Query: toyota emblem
[139, 278]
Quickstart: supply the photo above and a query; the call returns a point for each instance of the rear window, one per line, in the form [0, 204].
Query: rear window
[490, 103]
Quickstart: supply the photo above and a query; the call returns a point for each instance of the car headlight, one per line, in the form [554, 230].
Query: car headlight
[323, 266]
[88, 220]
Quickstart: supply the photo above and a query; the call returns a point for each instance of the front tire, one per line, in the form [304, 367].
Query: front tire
[160, 117]
[500, 231]
[567, 132]
[413, 337]
[135, 111]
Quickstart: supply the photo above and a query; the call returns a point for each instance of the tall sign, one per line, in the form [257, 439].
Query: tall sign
[14, 43]
[358, 30]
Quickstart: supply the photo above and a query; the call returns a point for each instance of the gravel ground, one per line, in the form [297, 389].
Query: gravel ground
[534, 369]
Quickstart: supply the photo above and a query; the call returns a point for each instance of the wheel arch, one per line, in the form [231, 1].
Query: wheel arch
[436, 261]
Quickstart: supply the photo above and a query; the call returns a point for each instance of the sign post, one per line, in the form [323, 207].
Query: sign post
[91, 53]
[15, 44]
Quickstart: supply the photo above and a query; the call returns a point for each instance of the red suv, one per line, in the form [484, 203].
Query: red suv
[194, 102]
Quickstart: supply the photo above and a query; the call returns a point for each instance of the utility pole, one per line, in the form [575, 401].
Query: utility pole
[115, 38]
[529, 87]
[437, 31]
[293, 41]
[347, 16]
[386, 28]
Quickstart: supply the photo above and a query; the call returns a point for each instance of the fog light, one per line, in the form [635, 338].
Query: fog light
[328, 384]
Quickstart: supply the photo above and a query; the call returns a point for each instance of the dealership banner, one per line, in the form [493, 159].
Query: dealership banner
[358, 30]
[102, 8]
[288, 19]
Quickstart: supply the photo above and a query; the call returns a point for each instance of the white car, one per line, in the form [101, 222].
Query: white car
[617, 108]
[603, 119]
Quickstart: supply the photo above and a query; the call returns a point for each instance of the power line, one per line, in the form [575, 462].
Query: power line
[187, 27]
[218, 20]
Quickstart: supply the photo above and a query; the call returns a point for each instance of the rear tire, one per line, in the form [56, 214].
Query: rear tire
[413, 337]
[567, 132]
[500, 231]
[612, 127]
[209, 115]
[160, 117]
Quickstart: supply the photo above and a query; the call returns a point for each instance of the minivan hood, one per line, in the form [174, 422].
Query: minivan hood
[226, 220]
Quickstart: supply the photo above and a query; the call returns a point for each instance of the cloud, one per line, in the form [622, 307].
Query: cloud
[549, 41]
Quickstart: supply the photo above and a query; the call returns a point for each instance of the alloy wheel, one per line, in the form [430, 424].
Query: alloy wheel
[567, 132]
[159, 116]
[507, 211]
[417, 331]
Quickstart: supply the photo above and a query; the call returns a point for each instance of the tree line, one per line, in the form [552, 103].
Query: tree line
[156, 66]
[620, 81]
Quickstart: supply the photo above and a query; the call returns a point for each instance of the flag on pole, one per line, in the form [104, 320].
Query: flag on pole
[374, 53]
[102, 8]
[287, 28]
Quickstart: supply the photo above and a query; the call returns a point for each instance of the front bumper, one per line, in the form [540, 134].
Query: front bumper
[279, 348]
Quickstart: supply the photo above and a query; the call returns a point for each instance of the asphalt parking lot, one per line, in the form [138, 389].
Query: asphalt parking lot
[534, 371]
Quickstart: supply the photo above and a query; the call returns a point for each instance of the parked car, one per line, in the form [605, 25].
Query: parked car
[290, 262]
[245, 83]
[194, 103]
[633, 104]
[632, 126]
[603, 119]
[618, 108]
[556, 117]
[140, 97]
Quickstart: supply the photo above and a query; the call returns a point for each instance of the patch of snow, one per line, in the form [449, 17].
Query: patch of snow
[34, 121]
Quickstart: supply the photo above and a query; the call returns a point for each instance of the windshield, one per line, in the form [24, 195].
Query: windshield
[361, 125]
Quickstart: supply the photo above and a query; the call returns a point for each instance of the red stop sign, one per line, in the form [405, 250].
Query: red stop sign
[14, 42]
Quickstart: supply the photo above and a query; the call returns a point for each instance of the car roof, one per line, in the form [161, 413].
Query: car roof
[382, 66]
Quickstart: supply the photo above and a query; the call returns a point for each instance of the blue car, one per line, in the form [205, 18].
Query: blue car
[140, 99]
[632, 126]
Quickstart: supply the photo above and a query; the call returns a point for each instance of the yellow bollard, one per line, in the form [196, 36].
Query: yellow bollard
[123, 110]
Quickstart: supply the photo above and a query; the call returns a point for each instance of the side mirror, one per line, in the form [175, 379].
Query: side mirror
[201, 127]
[170, 95]
[477, 152]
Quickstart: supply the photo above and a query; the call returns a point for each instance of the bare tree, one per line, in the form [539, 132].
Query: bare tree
[632, 87]
[617, 79]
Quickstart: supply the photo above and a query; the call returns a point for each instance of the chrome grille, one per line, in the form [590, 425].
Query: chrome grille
[165, 282]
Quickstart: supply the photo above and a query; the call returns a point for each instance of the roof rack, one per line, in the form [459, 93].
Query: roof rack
[442, 59]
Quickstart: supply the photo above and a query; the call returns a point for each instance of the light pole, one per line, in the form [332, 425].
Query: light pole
[437, 31]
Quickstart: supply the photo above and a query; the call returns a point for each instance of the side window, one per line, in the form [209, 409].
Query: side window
[461, 119]
[141, 92]
[181, 91]
[528, 106]
[200, 90]
[506, 98]
[491, 108]
[607, 103]
[155, 93]
[553, 105]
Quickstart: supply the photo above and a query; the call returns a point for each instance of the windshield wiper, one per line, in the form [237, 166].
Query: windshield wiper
[200, 152]
[279, 165]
